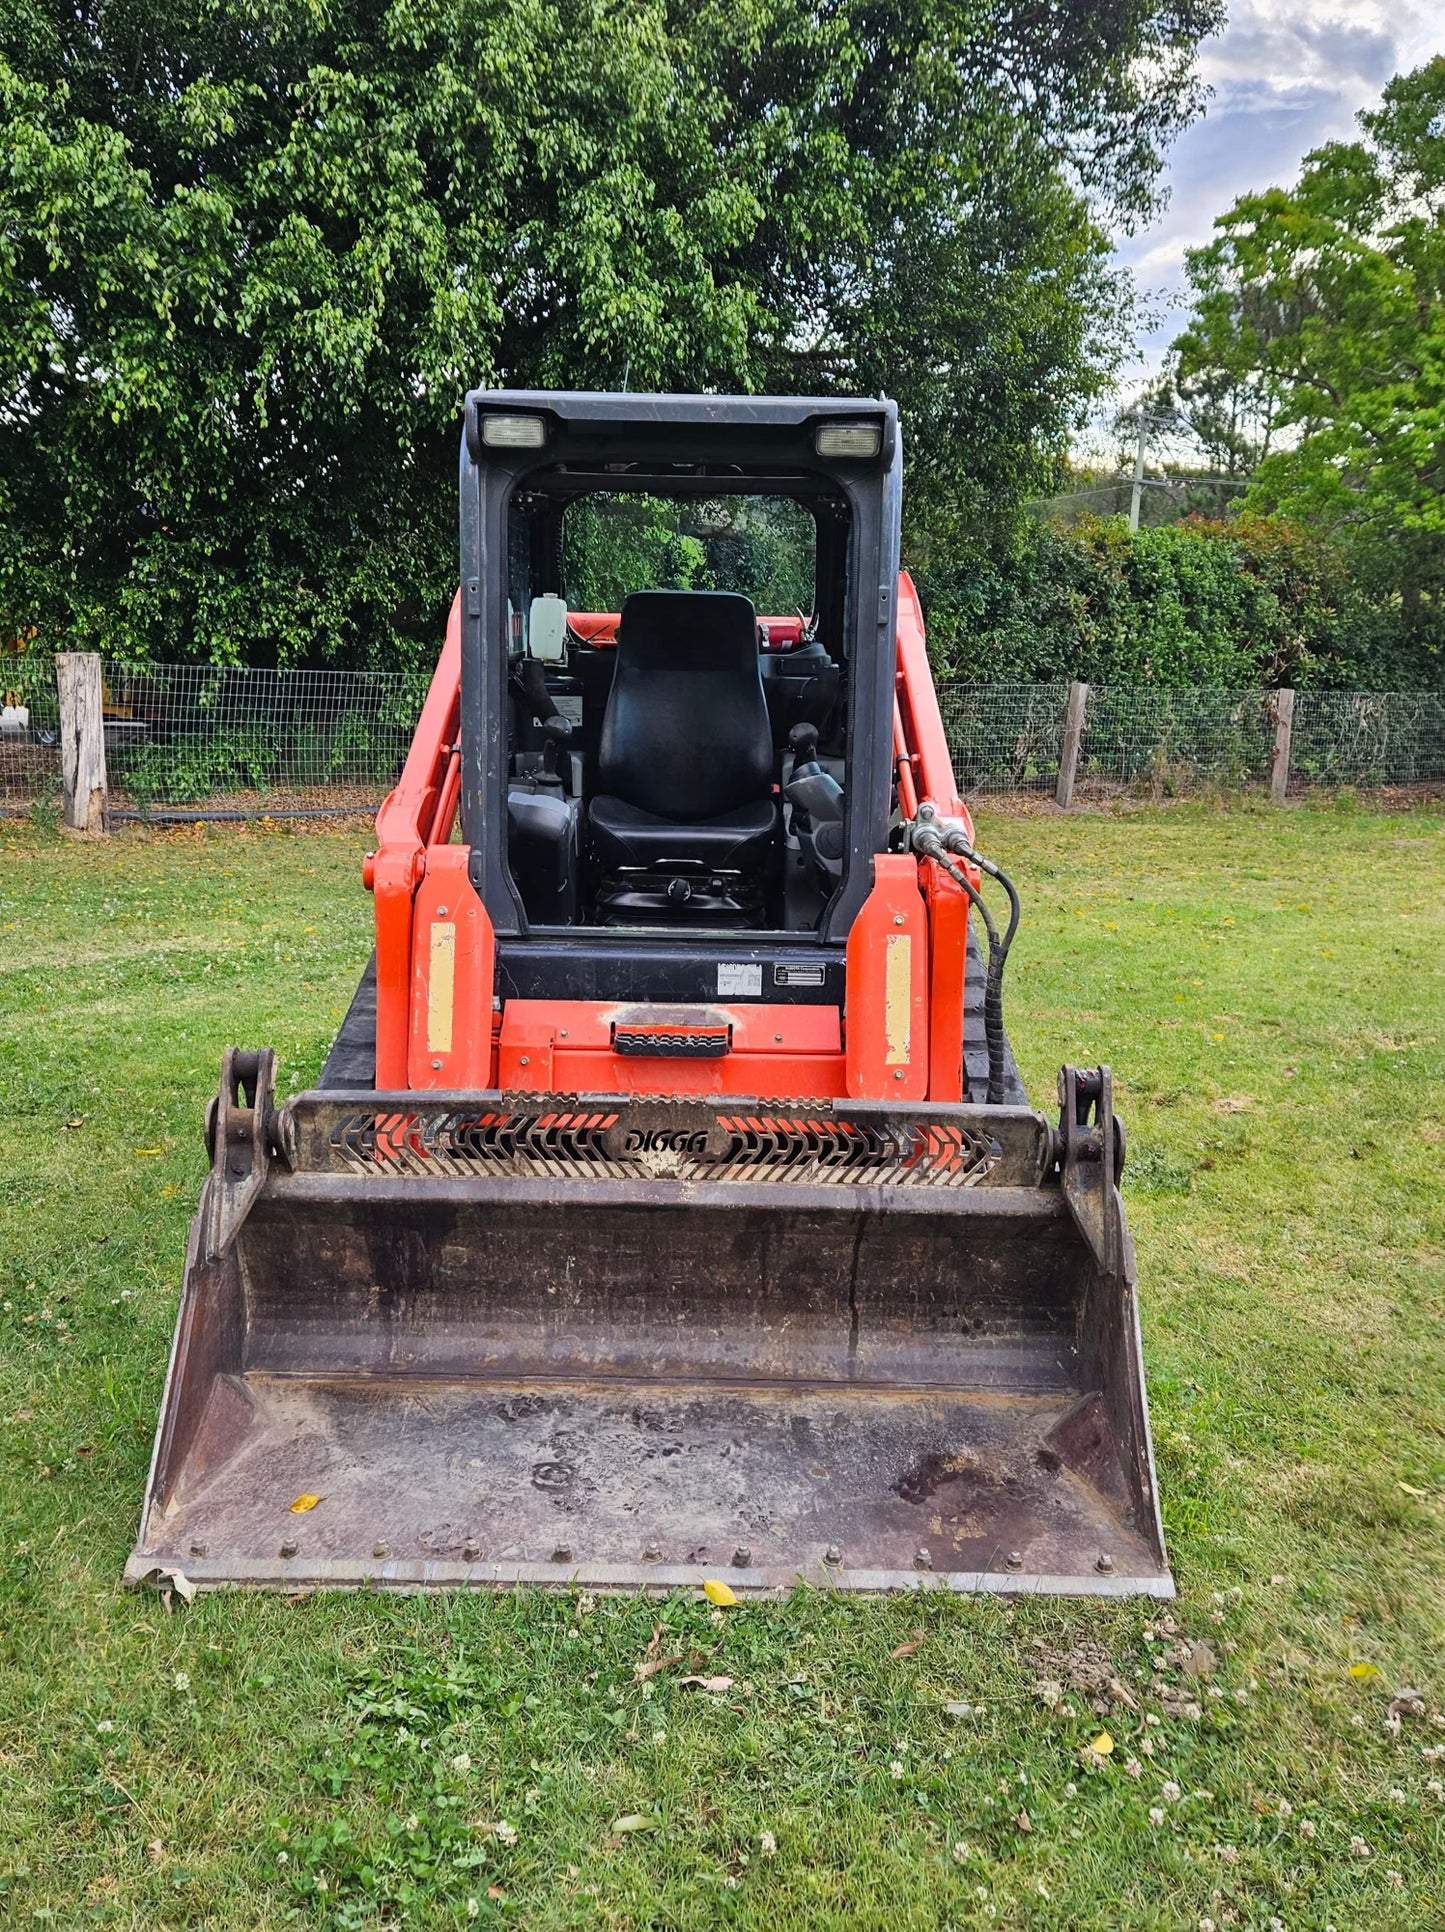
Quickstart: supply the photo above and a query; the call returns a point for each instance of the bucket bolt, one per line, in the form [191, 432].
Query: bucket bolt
[198, 1549]
[652, 1553]
[380, 1550]
[562, 1553]
[289, 1547]
[923, 1559]
[1014, 1560]
[832, 1554]
[1104, 1563]
[470, 1552]
[742, 1556]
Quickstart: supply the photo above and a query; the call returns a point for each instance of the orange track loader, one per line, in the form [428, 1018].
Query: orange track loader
[669, 1204]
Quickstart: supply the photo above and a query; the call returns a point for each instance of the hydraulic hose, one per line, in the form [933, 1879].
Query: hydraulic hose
[936, 846]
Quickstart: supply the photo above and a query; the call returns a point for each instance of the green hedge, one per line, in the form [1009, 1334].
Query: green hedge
[1255, 600]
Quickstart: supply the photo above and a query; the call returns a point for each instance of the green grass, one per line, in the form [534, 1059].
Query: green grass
[1271, 993]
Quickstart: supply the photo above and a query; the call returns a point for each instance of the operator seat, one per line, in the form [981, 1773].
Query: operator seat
[685, 764]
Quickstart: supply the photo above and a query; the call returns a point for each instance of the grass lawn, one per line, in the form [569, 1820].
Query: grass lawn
[1271, 992]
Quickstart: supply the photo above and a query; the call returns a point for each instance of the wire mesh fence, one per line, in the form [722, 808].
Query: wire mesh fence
[1161, 741]
[283, 743]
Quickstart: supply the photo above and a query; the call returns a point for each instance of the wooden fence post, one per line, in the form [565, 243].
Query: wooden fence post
[82, 741]
[1283, 731]
[1073, 733]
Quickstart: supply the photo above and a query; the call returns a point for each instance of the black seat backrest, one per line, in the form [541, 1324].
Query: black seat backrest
[686, 733]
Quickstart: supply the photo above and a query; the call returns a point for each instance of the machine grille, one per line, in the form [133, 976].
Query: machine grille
[655, 1144]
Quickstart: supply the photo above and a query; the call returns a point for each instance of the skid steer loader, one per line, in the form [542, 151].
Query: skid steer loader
[669, 1206]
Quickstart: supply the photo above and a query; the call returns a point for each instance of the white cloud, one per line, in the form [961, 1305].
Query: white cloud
[1287, 76]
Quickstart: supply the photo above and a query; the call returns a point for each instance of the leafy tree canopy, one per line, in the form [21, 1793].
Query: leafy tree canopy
[252, 253]
[1317, 338]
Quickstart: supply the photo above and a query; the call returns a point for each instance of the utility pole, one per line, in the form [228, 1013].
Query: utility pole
[1137, 493]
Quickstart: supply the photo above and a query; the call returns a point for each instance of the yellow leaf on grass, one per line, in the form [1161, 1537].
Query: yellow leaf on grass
[1103, 1744]
[303, 1503]
[716, 1592]
[1410, 1489]
[1364, 1671]
[150, 1150]
[634, 1821]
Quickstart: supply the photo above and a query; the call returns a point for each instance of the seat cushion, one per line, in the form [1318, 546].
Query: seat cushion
[736, 841]
[686, 732]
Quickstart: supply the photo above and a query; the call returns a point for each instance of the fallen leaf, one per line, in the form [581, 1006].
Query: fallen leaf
[1410, 1489]
[634, 1821]
[155, 1851]
[650, 1667]
[719, 1593]
[1103, 1744]
[79, 1121]
[1202, 1660]
[903, 1650]
[495, 1891]
[1121, 1694]
[150, 1151]
[707, 1683]
[957, 1708]
[303, 1503]
[1364, 1672]
[1024, 1822]
[654, 1642]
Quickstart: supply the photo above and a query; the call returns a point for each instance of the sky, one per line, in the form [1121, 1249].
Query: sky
[1286, 76]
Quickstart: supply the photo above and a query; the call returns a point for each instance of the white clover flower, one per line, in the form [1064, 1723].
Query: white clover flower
[1397, 1797]
[105, 1726]
[961, 1853]
[183, 1680]
[1156, 1814]
[1306, 1829]
[1206, 1925]
[474, 1908]
[1286, 1809]
[1133, 1768]
[1071, 1791]
[283, 1858]
[461, 1764]
[506, 1833]
[1359, 1849]
[767, 1844]
[1394, 1879]
[1170, 1793]
[896, 1767]
[413, 1823]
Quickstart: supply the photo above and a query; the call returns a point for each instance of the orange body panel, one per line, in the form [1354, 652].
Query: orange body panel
[565, 1046]
[899, 1037]
[887, 987]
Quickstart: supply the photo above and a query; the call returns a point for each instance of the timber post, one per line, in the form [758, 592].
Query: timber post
[82, 741]
[1073, 735]
[1283, 709]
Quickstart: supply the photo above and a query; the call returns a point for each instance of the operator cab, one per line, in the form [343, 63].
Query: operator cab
[675, 748]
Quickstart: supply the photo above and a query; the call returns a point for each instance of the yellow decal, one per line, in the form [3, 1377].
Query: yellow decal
[898, 996]
[441, 987]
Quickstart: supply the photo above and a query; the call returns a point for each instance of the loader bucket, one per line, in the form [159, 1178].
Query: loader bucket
[635, 1344]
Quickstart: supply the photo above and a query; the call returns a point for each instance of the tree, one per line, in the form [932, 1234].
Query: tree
[1326, 303]
[251, 255]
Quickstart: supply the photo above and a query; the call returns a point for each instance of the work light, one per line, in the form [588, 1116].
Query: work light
[514, 432]
[850, 439]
